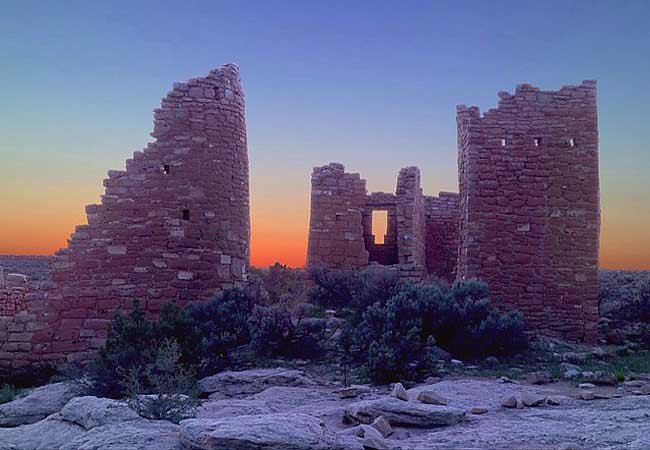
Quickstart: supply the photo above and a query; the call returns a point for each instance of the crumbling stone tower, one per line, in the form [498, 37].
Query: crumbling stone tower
[529, 205]
[173, 227]
[175, 224]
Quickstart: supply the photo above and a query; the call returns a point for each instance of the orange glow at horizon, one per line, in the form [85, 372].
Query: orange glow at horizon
[379, 225]
[38, 221]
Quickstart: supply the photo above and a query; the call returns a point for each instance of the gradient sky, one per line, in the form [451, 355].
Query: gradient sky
[373, 85]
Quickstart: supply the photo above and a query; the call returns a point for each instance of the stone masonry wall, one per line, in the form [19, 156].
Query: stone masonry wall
[411, 225]
[335, 222]
[529, 205]
[442, 214]
[173, 227]
[421, 237]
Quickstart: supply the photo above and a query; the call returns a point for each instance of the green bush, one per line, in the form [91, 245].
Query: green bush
[396, 340]
[624, 295]
[272, 330]
[219, 326]
[162, 389]
[279, 282]
[638, 308]
[129, 343]
[8, 393]
[352, 289]
[274, 333]
[205, 334]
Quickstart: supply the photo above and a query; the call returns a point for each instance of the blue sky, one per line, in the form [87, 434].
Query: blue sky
[373, 85]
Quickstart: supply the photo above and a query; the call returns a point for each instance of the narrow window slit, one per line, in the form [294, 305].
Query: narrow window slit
[166, 169]
[186, 214]
[572, 143]
[503, 142]
[538, 141]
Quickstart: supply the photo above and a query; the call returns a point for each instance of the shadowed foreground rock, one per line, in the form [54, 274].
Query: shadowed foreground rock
[399, 412]
[134, 435]
[247, 382]
[298, 418]
[281, 431]
[37, 405]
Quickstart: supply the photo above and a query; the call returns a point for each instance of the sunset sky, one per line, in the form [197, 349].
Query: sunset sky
[373, 85]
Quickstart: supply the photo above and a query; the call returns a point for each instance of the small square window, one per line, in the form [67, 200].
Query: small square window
[186, 214]
[166, 169]
[503, 142]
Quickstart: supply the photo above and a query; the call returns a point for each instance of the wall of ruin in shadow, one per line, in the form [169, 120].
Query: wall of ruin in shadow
[173, 227]
[529, 205]
[421, 238]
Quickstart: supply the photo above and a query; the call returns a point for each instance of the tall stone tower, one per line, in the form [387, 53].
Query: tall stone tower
[174, 226]
[529, 205]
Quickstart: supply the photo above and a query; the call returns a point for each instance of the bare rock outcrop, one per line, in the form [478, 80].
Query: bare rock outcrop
[269, 431]
[408, 414]
[37, 405]
[248, 382]
[132, 435]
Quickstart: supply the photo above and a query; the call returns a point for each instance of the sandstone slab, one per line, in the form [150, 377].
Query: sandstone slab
[399, 412]
[37, 405]
[133, 435]
[248, 382]
[269, 431]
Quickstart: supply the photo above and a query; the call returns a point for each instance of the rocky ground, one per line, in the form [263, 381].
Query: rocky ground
[288, 409]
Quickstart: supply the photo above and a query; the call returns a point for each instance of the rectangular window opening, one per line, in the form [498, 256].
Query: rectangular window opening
[379, 226]
[186, 214]
[503, 142]
[166, 169]
[572, 143]
[538, 141]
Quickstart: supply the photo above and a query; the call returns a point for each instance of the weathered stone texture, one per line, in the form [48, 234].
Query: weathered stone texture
[174, 226]
[335, 224]
[422, 232]
[442, 234]
[527, 219]
[529, 205]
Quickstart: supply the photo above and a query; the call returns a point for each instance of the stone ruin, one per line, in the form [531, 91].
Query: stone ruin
[421, 235]
[526, 220]
[173, 227]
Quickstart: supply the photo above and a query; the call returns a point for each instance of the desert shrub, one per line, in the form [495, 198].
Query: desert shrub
[9, 393]
[271, 330]
[129, 343]
[331, 288]
[280, 282]
[355, 290]
[162, 389]
[623, 295]
[205, 334]
[638, 308]
[274, 333]
[398, 340]
[219, 326]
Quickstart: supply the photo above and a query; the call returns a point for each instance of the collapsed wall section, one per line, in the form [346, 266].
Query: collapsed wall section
[529, 205]
[411, 225]
[173, 227]
[336, 233]
[442, 222]
[421, 238]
